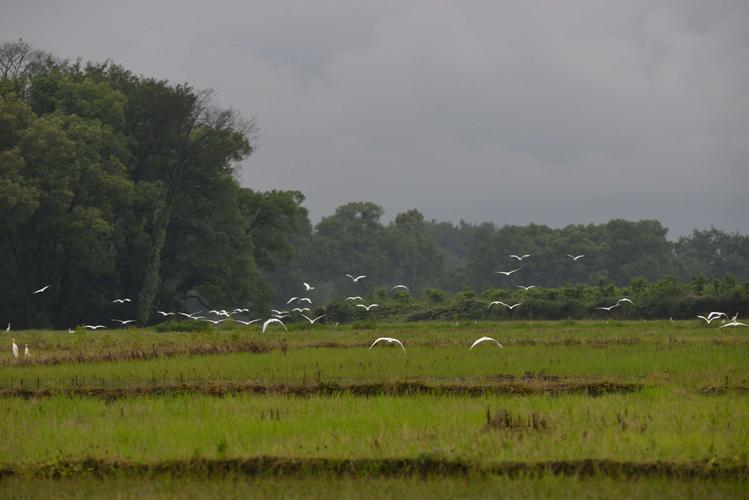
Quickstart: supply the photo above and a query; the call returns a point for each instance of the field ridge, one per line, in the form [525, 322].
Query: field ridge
[420, 466]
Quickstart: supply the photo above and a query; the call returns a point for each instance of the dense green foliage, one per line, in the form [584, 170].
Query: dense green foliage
[119, 185]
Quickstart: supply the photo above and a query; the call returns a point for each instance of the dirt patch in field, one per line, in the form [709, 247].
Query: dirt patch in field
[722, 389]
[515, 387]
[419, 466]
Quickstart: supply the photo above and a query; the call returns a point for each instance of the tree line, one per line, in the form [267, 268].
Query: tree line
[114, 184]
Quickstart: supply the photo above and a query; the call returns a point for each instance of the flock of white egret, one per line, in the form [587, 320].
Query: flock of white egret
[277, 316]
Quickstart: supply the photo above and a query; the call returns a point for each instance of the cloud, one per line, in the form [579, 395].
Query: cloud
[514, 112]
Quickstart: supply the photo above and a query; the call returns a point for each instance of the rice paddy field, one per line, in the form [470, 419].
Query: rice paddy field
[563, 410]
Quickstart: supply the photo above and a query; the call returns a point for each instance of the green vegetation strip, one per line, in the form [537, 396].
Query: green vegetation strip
[426, 465]
[512, 386]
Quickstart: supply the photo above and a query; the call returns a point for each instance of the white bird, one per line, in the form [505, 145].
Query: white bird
[370, 306]
[279, 312]
[274, 320]
[609, 308]
[300, 309]
[292, 299]
[14, 348]
[8, 329]
[356, 279]
[189, 315]
[121, 301]
[165, 314]
[247, 322]
[240, 310]
[280, 316]
[41, 290]
[717, 314]
[624, 299]
[215, 321]
[734, 322]
[575, 257]
[496, 302]
[519, 257]
[355, 297]
[26, 352]
[388, 340]
[123, 322]
[484, 339]
[307, 286]
[507, 273]
[70, 330]
[94, 327]
[312, 321]
[526, 288]
[399, 286]
[305, 299]
[513, 306]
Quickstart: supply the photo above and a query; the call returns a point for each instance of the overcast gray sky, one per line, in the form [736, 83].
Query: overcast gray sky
[513, 112]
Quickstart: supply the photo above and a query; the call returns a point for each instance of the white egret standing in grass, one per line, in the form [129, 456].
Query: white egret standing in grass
[8, 329]
[14, 348]
[484, 339]
[26, 352]
[388, 340]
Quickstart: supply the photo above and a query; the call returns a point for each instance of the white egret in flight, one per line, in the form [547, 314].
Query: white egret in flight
[609, 308]
[575, 257]
[273, 320]
[307, 286]
[484, 339]
[245, 323]
[734, 322]
[94, 327]
[507, 273]
[41, 290]
[312, 321]
[305, 299]
[121, 301]
[123, 322]
[370, 306]
[399, 286]
[355, 297]
[519, 257]
[388, 340]
[526, 288]
[357, 278]
[165, 314]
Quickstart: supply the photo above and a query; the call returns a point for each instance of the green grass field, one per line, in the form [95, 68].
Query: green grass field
[138, 412]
